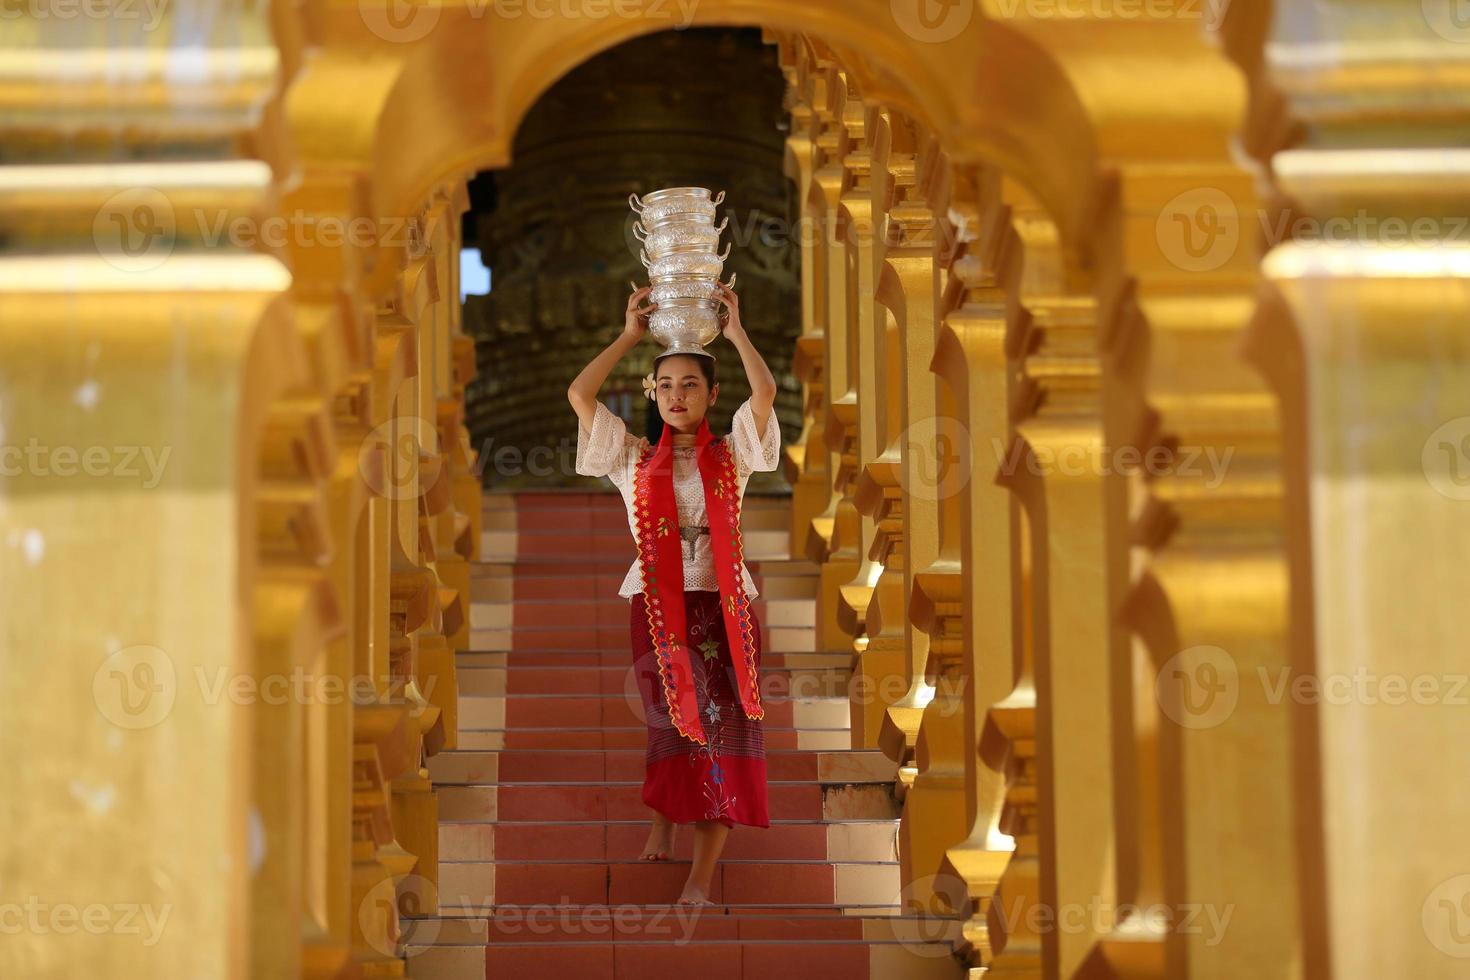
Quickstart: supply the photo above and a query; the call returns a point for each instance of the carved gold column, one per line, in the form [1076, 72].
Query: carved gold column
[1358, 116]
[970, 357]
[1059, 468]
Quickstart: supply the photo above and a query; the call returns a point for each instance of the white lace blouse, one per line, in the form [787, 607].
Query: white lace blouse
[610, 450]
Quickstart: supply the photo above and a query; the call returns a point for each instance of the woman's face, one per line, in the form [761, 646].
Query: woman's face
[682, 393]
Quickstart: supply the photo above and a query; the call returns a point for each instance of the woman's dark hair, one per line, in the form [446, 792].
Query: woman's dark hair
[706, 366]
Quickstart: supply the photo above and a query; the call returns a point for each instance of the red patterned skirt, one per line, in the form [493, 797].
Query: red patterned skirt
[724, 780]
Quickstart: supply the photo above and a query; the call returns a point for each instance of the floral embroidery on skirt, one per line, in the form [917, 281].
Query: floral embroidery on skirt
[724, 780]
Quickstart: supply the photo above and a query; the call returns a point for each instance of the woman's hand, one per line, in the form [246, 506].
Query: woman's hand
[635, 318]
[730, 325]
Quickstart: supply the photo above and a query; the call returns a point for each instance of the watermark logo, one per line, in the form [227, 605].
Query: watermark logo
[1446, 459]
[1446, 916]
[388, 458]
[1198, 687]
[37, 917]
[135, 230]
[926, 924]
[1211, 12]
[138, 687]
[937, 461]
[400, 918]
[135, 687]
[142, 463]
[1199, 229]
[399, 21]
[406, 21]
[932, 21]
[1450, 19]
[120, 12]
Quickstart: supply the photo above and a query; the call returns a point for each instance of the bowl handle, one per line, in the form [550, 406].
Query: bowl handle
[638, 227]
[635, 202]
[723, 224]
[643, 254]
[719, 199]
[728, 246]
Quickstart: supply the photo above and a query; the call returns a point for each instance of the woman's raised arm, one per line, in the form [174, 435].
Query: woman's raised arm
[582, 392]
[762, 382]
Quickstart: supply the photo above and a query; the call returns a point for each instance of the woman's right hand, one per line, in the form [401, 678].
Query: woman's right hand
[635, 319]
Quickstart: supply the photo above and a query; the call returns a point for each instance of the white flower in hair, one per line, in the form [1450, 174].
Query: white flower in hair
[650, 386]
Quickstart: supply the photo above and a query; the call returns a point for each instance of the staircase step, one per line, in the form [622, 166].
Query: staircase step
[533, 711]
[562, 679]
[582, 657]
[550, 802]
[714, 943]
[483, 886]
[606, 800]
[566, 765]
[836, 839]
[498, 739]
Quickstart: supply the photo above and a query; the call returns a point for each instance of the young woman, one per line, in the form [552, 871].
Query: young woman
[696, 643]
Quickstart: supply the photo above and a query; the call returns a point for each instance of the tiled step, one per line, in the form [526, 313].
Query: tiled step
[577, 765]
[498, 739]
[533, 711]
[632, 923]
[564, 679]
[847, 840]
[494, 613]
[713, 943]
[623, 800]
[620, 658]
[611, 638]
[482, 886]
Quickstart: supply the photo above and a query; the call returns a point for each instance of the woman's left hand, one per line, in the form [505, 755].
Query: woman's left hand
[730, 324]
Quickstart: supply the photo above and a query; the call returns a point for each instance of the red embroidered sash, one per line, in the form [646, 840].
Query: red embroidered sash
[656, 515]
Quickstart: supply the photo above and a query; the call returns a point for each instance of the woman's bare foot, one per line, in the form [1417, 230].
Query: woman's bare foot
[694, 895]
[660, 846]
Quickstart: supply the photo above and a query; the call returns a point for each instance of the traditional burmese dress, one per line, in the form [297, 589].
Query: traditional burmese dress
[724, 779]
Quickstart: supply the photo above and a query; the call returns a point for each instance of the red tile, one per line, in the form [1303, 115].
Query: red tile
[554, 639]
[585, 961]
[540, 711]
[585, 657]
[782, 842]
[794, 801]
[610, 924]
[652, 882]
[552, 803]
[624, 765]
[557, 612]
[791, 765]
[529, 766]
[801, 928]
[532, 587]
[818, 961]
[707, 961]
[625, 738]
[550, 841]
[787, 884]
[549, 739]
[550, 883]
[618, 678]
[785, 802]
[554, 679]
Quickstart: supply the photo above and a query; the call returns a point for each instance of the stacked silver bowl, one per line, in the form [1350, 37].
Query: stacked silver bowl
[677, 228]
